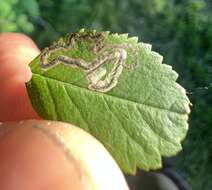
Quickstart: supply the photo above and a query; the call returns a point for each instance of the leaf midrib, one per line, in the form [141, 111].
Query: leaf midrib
[111, 96]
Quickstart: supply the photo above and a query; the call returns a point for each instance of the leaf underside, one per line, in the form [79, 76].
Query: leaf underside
[141, 118]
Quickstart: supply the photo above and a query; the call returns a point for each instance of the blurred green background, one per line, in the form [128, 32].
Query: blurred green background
[181, 30]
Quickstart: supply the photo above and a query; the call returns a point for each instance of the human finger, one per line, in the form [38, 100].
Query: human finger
[16, 51]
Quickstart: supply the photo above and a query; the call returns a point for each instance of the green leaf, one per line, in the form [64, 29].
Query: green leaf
[116, 89]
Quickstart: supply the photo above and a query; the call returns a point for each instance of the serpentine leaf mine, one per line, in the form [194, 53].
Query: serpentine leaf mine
[94, 69]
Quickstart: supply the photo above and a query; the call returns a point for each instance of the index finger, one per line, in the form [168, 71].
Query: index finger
[16, 51]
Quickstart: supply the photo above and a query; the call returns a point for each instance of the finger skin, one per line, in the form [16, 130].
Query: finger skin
[31, 161]
[16, 51]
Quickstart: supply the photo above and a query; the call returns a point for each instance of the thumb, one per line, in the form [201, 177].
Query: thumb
[44, 155]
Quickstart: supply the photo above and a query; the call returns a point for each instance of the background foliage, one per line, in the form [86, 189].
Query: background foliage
[181, 30]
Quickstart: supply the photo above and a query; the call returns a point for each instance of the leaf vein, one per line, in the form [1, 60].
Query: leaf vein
[130, 137]
[117, 98]
[152, 128]
[71, 99]
[51, 95]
